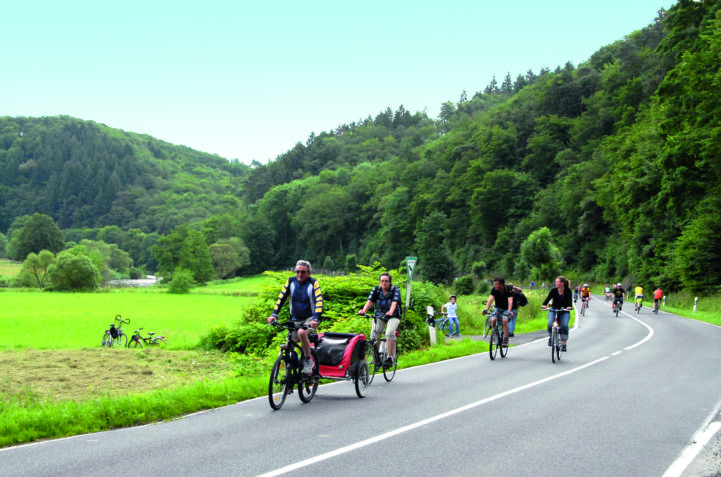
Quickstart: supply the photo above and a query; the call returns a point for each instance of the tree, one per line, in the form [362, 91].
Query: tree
[540, 253]
[39, 232]
[3, 246]
[435, 261]
[186, 249]
[225, 259]
[73, 272]
[36, 267]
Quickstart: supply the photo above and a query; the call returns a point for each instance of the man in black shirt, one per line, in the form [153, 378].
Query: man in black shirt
[504, 301]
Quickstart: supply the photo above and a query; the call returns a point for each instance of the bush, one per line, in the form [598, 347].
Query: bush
[182, 281]
[73, 272]
[464, 285]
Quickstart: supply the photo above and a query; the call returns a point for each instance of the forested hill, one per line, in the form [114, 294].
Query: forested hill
[610, 167]
[86, 175]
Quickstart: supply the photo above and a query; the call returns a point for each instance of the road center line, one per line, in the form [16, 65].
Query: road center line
[424, 422]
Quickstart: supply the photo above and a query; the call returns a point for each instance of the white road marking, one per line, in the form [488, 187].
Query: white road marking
[698, 441]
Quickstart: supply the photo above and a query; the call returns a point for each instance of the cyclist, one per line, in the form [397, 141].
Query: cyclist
[639, 295]
[306, 308]
[452, 308]
[619, 294]
[586, 294]
[608, 292]
[504, 301]
[387, 300]
[560, 297]
[657, 296]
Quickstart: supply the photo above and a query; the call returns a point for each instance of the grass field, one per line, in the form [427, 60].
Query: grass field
[41, 320]
[9, 268]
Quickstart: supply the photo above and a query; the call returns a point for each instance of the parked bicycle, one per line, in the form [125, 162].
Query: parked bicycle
[115, 336]
[138, 341]
[556, 344]
[286, 372]
[443, 324]
[496, 340]
[376, 358]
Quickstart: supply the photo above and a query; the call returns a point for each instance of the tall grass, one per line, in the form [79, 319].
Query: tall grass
[708, 309]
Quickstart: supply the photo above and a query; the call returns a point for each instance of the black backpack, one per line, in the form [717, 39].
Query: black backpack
[518, 296]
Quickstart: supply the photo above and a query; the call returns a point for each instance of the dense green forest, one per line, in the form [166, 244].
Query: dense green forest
[615, 161]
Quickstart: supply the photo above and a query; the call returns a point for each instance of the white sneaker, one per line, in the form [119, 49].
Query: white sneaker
[307, 365]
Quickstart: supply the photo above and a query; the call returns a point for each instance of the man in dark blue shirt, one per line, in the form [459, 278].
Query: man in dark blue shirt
[387, 301]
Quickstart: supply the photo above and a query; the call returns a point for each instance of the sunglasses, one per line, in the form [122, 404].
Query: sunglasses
[301, 272]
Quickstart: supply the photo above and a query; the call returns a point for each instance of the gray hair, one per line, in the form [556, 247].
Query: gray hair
[303, 263]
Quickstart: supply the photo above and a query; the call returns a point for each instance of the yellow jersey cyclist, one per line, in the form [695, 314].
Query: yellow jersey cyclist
[586, 294]
[639, 296]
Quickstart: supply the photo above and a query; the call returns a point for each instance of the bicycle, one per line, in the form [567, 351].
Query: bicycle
[583, 305]
[556, 336]
[286, 372]
[638, 305]
[496, 341]
[656, 305]
[487, 325]
[115, 335]
[444, 324]
[377, 358]
[138, 341]
[616, 307]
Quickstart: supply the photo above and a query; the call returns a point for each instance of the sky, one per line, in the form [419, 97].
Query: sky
[248, 80]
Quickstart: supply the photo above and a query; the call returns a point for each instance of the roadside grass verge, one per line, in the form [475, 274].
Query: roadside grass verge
[28, 414]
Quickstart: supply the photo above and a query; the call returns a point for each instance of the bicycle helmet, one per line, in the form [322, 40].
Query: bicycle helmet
[585, 285]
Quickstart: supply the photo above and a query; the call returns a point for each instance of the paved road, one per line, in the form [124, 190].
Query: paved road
[627, 399]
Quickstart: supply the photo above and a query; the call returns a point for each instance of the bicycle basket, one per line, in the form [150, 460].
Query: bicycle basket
[113, 331]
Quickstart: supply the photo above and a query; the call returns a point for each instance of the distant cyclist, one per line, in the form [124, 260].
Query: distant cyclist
[619, 294]
[657, 297]
[639, 295]
[452, 308]
[586, 294]
[608, 292]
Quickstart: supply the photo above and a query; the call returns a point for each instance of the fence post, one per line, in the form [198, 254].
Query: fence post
[431, 322]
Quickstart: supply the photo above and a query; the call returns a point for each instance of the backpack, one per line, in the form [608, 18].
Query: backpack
[518, 296]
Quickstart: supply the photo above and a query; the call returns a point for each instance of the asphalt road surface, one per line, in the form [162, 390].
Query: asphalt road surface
[634, 395]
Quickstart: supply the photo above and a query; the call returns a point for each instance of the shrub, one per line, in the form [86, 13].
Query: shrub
[464, 285]
[182, 281]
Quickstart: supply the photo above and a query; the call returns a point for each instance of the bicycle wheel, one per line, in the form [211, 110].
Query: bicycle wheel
[617, 307]
[121, 340]
[158, 341]
[555, 345]
[389, 373]
[362, 380]
[135, 344]
[504, 348]
[487, 328]
[445, 327]
[107, 340]
[372, 360]
[309, 384]
[495, 343]
[278, 386]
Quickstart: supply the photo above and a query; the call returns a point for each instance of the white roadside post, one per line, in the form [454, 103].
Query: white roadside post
[695, 302]
[431, 329]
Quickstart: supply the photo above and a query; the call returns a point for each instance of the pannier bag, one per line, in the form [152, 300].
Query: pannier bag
[338, 352]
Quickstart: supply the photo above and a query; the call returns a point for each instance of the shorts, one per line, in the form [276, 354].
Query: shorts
[391, 326]
[294, 336]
